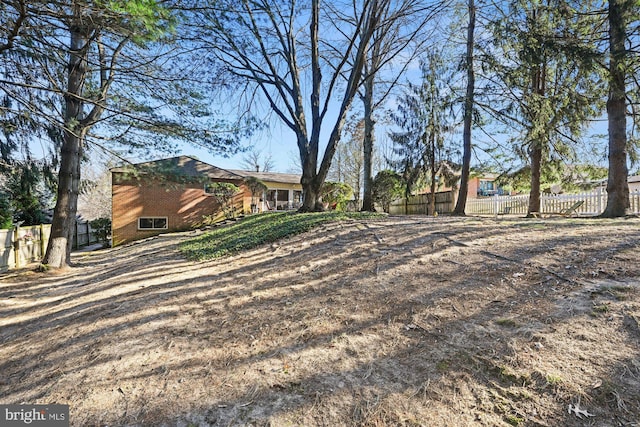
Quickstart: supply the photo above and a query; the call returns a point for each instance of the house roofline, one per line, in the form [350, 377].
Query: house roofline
[278, 177]
[275, 177]
[125, 169]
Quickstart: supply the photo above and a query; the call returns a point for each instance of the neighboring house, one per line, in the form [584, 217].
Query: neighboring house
[634, 183]
[171, 195]
[479, 186]
[484, 185]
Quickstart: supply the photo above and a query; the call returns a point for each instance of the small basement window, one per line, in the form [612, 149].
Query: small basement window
[152, 223]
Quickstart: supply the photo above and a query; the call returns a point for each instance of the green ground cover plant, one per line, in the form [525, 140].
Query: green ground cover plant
[260, 229]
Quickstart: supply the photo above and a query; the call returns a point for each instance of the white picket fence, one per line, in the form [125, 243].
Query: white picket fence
[593, 204]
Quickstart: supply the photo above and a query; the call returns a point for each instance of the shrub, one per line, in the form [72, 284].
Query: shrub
[336, 194]
[256, 186]
[223, 193]
[387, 187]
[6, 216]
[102, 228]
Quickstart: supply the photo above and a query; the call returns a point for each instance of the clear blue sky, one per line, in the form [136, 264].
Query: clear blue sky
[281, 144]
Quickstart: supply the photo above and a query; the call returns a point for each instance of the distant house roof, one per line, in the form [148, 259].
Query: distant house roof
[487, 176]
[603, 182]
[190, 167]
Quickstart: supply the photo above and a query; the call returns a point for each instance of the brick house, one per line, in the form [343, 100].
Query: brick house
[484, 185]
[171, 195]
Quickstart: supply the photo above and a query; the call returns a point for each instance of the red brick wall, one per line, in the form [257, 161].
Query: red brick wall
[184, 206]
[474, 184]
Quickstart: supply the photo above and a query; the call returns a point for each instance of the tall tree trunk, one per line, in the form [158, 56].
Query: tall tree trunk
[313, 177]
[370, 71]
[618, 203]
[311, 201]
[536, 167]
[468, 115]
[58, 253]
[310, 189]
[538, 83]
[367, 145]
[432, 166]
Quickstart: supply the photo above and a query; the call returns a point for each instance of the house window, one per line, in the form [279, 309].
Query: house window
[150, 223]
[278, 199]
[278, 195]
[486, 188]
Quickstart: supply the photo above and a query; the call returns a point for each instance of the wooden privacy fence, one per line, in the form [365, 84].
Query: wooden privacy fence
[593, 203]
[84, 235]
[23, 245]
[419, 204]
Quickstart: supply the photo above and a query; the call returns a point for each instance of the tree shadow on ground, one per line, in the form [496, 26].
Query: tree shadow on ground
[400, 322]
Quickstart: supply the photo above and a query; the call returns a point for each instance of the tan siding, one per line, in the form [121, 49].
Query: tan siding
[282, 186]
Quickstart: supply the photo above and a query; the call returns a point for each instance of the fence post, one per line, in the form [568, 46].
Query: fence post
[600, 200]
[16, 245]
[42, 245]
[95, 237]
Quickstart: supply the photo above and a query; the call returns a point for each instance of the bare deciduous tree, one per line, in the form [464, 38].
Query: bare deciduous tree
[254, 160]
[347, 166]
[276, 48]
[400, 38]
[94, 198]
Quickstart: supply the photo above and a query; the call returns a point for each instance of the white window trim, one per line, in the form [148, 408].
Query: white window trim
[166, 223]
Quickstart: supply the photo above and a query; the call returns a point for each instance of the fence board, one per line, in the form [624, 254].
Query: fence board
[7, 256]
[31, 242]
[593, 204]
[419, 204]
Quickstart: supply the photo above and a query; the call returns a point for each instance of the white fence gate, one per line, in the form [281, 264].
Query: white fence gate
[593, 203]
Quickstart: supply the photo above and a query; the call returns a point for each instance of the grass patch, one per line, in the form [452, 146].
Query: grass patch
[514, 420]
[602, 308]
[442, 366]
[259, 229]
[553, 380]
[619, 292]
[534, 225]
[510, 323]
[509, 376]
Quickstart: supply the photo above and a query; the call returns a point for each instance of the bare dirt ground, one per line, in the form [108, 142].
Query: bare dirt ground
[402, 321]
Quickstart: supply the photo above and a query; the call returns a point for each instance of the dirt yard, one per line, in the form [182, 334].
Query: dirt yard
[401, 321]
